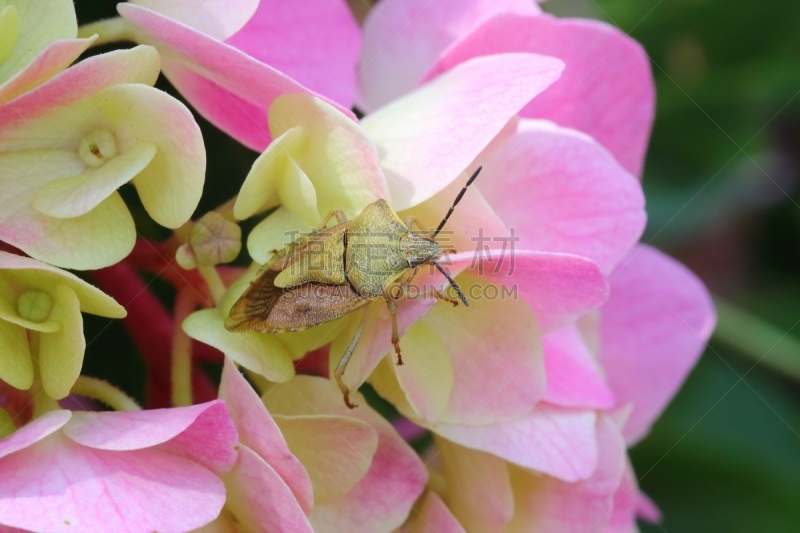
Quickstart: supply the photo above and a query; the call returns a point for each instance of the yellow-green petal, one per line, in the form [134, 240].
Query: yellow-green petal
[336, 451]
[427, 375]
[9, 31]
[262, 182]
[260, 352]
[171, 184]
[338, 157]
[40, 22]
[16, 366]
[9, 311]
[7, 425]
[61, 352]
[100, 238]
[77, 195]
[297, 193]
[275, 232]
[19, 271]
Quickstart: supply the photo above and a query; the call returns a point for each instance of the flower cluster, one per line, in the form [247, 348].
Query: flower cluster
[574, 340]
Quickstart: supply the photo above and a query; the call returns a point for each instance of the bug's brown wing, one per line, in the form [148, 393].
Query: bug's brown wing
[312, 304]
[253, 307]
[265, 307]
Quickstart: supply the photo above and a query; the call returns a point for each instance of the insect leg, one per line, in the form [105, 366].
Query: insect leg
[412, 221]
[435, 293]
[340, 218]
[412, 275]
[392, 305]
[340, 368]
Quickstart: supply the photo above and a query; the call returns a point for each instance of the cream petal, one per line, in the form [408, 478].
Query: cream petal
[77, 195]
[275, 232]
[259, 352]
[336, 451]
[61, 352]
[40, 23]
[16, 365]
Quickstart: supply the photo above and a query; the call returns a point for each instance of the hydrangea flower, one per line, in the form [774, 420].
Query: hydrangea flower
[68, 144]
[37, 41]
[232, 59]
[306, 463]
[40, 322]
[320, 161]
[136, 471]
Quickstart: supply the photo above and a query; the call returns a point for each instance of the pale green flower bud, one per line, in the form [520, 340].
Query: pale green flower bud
[35, 306]
[212, 240]
[98, 147]
[9, 31]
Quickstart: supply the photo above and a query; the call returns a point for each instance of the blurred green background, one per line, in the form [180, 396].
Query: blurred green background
[721, 184]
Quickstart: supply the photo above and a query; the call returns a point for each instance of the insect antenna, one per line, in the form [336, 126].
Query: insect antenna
[452, 283]
[455, 203]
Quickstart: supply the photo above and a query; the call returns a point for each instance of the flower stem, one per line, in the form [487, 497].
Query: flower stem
[105, 392]
[757, 339]
[182, 351]
[109, 31]
[215, 285]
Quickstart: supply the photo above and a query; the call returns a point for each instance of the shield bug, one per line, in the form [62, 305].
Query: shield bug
[333, 271]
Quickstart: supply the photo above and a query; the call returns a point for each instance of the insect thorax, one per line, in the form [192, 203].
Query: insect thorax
[380, 248]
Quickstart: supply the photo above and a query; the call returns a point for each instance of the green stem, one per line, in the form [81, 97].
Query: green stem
[757, 339]
[215, 285]
[109, 31]
[105, 392]
[182, 351]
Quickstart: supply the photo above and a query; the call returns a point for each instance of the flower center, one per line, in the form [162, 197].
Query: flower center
[35, 306]
[9, 31]
[98, 147]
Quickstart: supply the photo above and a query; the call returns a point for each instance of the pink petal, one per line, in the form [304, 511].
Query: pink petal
[217, 18]
[607, 87]
[57, 485]
[623, 514]
[375, 342]
[317, 45]
[430, 136]
[474, 218]
[573, 376]
[34, 431]
[6, 529]
[557, 287]
[88, 77]
[403, 38]
[433, 516]
[258, 431]
[646, 509]
[552, 440]
[260, 499]
[653, 329]
[563, 192]
[204, 433]
[228, 87]
[56, 57]
[555, 506]
[381, 501]
[496, 353]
